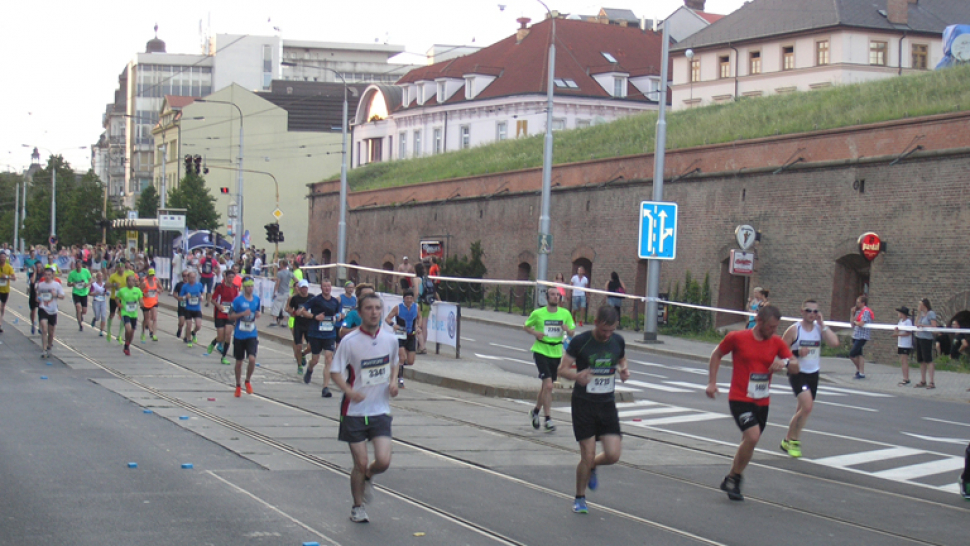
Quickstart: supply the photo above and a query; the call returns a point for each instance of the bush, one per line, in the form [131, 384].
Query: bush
[683, 320]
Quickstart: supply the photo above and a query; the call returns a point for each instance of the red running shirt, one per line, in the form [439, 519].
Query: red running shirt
[222, 297]
[750, 378]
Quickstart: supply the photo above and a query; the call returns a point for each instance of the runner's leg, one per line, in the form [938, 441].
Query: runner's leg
[359, 473]
[749, 440]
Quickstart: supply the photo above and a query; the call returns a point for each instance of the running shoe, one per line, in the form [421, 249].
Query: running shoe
[238, 392]
[101, 334]
[43, 354]
[208, 350]
[225, 361]
[143, 338]
[33, 329]
[127, 351]
[178, 333]
[792, 447]
[195, 338]
[299, 369]
[534, 414]
[92, 322]
[859, 376]
[302, 360]
[579, 506]
[120, 341]
[307, 376]
[80, 328]
[326, 393]
[249, 387]
[732, 486]
[189, 343]
[400, 382]
[368, 490]
[965, 489]
[549, 426]
[358, 515]
[593, 482]
[154, 337]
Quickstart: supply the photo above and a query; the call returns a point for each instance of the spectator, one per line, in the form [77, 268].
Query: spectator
[281, 293]
[924, 343]
[861, 316]
[405, 267]
[312, 273]
[579, 282]
[904, 342]
[758, 299]
[615, 286]
[561, 280]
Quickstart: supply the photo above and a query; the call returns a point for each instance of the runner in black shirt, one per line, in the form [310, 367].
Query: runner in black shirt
[301, 324]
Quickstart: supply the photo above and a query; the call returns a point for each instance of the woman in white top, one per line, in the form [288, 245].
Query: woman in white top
[904, 342]
[99, 302]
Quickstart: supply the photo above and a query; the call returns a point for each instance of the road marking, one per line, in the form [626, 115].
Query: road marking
[634, 404]
[649, 411]
[646, 385]
[686, 384]
[509, 348]
[846, 406]
[921, 470]
[489, 357]
[852, 459]
[621, 388]
[691, 418]
[657, 375]
[853, 391]
[957, 441]
[947, 422]
[463, 338]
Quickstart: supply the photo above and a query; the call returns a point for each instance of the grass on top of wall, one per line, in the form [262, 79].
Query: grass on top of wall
[933, 92]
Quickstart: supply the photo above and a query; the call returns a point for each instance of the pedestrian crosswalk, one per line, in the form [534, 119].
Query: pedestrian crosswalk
[646, 413]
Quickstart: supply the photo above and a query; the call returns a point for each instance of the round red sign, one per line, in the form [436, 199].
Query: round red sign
[870, 245]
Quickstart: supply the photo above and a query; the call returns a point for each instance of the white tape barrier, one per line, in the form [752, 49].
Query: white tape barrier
[361, 268]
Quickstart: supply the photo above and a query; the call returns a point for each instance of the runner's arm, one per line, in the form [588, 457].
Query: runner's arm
[341, 383]
[712, 365]
[390, 316]
[566, 367]
[624, 369]
[789, 336]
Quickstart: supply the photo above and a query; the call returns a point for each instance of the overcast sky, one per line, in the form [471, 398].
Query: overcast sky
[62, 58]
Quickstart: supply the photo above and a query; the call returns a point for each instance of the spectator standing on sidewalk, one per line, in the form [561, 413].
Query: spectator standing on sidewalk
[960, 345]
[560, 280]
[861, 316]
[615, 286]
[924, 343]
[758, 299]
[281, 292]
[579, 282]
[904, 342]
[405, 267]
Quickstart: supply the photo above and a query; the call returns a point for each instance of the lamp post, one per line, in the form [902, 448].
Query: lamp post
[237, 234]
[54, 184]
[275, 181]
[542, 262]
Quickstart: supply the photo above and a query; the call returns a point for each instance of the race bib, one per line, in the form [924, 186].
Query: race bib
[46, 297]
[814, 349]
[151, 293]
[326, 325]
[247, 326]
[131, 306]
[3, 282]
[226, 308]
[347, 310]
[181, 304]
[758, 384]
[553, 328]
[99, 298]
[193, 300]
[375, 371]
[603, 382]
[400, 334]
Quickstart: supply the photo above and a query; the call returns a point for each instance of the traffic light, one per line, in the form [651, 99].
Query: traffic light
[273, 234]
[224, 190]
[279, 237]
[198, 164]
[188, 164]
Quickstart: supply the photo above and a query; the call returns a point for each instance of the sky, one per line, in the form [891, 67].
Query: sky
[62, 58]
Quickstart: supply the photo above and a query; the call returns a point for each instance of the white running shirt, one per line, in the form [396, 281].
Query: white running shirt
[811, 340]
[367, 362]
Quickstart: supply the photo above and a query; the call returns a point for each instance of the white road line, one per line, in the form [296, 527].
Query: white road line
[653, 364]
[846, 406]
[852, 459]
[648, 374]
[520, 349]
[635, 404]
[646, 385]
[853, 391]
[957, 441]
[947, 422]
[489, 357]
[650, 411]
[621, 388]
[916, 471]
[463, 338]
[691, 418]
[686, 384]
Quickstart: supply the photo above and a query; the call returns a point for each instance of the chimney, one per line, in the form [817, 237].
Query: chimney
[897, 11]
[523, 30]
[696, 5]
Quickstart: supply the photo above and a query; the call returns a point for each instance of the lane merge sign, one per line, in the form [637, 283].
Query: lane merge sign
[658, 230]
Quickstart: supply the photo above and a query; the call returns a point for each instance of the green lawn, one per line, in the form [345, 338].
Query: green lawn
[896, 98]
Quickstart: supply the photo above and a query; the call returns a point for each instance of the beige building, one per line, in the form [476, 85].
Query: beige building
[290, 134]
[771, 47]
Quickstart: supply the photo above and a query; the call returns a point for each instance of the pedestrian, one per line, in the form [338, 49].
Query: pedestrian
[599, 356]
[48, 292]
[805, 338]
[615, 286]
[404, 320]
[352, 318]
[245, 338]
[192, 292]
[32, 303]
[579, 282]
[549, 325]
[861, 316]
[368, 357]
[281, 291]
[757, 353]
[924, 343]
[98, 302]
[904, 342]
[180, 307]
[758, 299]
[960, 346]
[150, 289]
[560, 279]
[324, 311]
[7, 276]
[223, 296]
[79, 279]
[406, 270]
[301, 324]
[129, 300]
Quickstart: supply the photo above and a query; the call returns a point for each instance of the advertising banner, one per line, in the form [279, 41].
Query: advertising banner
[742, 263]
[432, 248]
[443, 324]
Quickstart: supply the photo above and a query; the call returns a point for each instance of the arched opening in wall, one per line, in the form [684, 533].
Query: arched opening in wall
[588, 272]
[386, 283]
[353, 274]
[851, 278]
[731, 294]
[962, 318]
[522, 292]
[326, 258]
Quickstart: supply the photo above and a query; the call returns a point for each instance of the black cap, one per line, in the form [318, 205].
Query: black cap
[904, 310]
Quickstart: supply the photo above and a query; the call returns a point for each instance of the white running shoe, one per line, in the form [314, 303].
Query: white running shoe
[358, 515]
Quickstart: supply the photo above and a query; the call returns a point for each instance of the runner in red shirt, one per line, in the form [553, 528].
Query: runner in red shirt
[207, 272]
[756, 354]
[222, 297]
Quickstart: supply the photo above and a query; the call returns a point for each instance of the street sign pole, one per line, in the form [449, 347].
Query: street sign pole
[653, 266]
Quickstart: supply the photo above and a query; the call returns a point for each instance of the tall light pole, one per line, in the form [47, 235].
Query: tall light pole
[542, 262]
[237, 234]
[54, 185]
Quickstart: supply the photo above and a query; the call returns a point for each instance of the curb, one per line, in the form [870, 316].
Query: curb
[558, 394]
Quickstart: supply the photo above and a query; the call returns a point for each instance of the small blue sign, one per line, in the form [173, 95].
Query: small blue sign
[658, 230]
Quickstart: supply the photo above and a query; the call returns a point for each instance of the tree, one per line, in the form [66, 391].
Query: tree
[38, 223]
[148, 202]
[83, 209]
[8, 191]
[200, 206]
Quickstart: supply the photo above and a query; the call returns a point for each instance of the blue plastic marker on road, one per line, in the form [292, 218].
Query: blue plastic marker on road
[146, 411]
[50, 363]
[132, 465]
[311, 544]
[183, 418]
[187, 466]
[43, 377]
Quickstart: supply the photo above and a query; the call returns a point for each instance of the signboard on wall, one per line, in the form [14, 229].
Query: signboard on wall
[870, 245]
[741, 263]
[431, 248]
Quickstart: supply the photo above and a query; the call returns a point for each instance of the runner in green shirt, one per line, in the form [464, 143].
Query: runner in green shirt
[548, 325]
[80, 279]
[129, 301]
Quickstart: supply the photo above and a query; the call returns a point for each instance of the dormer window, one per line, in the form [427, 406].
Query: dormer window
[470, 87]
[441, 92]
[608, 57]
[566, 83]
[619, 86]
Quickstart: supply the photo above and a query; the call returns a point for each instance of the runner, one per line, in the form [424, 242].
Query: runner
[301, 324]
[207, 270]
[7, 276]
[30, 266]
[48, 292]
[98, 303]
[116, 281]
[79, 279]
[192, 292]
[549, 325]
[129, 299]
[222, 297]
[150, 289]
[352, 318]
[176, 291]
[756, 354]
[404, 319]
[35, 279]
[348, 300]
[245, 311]
[324, 310]
[427, 295]
[281, 291]
[805, 339]
[369, 358]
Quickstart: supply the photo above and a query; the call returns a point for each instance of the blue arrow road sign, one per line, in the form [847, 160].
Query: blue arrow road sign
[658, 230]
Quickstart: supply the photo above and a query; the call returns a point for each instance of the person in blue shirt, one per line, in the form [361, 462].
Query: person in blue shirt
[407, 328]
[245, 311]
[326, 314]
[352, 318]
[191, 294]
[348, 301]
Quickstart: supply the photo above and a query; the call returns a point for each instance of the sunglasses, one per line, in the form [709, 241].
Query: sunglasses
[810, 310]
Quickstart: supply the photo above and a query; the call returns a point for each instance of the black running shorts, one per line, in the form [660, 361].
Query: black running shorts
[594, 419]
[355, 429]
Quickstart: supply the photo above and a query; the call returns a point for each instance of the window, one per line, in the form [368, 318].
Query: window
[619, 86]
[267, 58]
[608, 57]
[441, 92]
[437, 140]
[822, 53]
[582, 123]
[724, 66]
[788, 58]
[465, 133]
[920, 56]
[558, 124]
[695, 70]
[501, 130]
[754, 62]
[521, 127]
[417, 144]
[566, 83]
[402, 140]
[877, 53]
[469, 87]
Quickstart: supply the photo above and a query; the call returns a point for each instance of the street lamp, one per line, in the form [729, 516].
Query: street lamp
[237, 234]
[542, 261]
[275, 181]
[54, 186]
